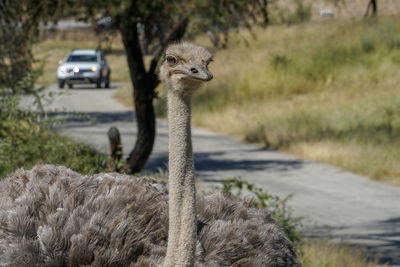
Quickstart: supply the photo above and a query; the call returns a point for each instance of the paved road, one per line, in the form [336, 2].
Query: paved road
[336, 204]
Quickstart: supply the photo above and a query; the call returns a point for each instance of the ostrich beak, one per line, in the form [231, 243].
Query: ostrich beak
[197, 72]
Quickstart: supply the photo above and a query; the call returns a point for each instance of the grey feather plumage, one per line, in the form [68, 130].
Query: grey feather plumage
[52, 216]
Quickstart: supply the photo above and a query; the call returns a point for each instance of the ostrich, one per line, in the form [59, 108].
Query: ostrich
[53, 216]
[183, 71]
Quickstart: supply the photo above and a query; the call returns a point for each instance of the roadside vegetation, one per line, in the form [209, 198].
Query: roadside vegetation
[318, 253]
[325, 91]
[25, 141]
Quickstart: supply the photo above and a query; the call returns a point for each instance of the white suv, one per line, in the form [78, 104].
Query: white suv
[83, 66]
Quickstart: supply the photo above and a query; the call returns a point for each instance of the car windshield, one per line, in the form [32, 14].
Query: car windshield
[82, 58]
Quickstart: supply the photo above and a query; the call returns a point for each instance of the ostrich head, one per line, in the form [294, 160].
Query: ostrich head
[185, 67]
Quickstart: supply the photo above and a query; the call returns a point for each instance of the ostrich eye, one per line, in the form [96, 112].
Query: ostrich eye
[171, 60]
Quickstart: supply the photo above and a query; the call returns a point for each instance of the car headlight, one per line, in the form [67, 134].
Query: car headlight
[94, 68]
[63, 69]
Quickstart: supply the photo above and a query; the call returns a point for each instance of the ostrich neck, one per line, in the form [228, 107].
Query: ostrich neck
[182, 192]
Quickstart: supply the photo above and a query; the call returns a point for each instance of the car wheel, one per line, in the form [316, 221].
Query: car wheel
[70, 85]
[98, 83]
[61, 84]
[107, 83]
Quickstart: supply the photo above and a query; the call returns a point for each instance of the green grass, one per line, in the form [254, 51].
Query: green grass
[326, 91]
[24, 143]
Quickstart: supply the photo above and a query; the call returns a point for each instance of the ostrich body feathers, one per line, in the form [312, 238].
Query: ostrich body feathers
[52, 216]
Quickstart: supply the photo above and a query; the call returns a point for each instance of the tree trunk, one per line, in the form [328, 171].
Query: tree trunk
[374, 5]
[143, 94]
[264, 11]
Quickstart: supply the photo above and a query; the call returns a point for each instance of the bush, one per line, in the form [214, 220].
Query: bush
[302, 13]
[367, 44]
[25, 140]
[279, 61]
[24, 143]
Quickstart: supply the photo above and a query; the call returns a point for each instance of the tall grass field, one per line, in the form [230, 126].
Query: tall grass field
[327, 91]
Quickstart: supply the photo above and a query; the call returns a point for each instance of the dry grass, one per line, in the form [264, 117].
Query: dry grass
[310, 89]
[379, 162]
[321, 253]
[125, 94]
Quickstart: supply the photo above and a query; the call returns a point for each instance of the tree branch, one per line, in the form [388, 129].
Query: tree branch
[175, 34]
[33, 20]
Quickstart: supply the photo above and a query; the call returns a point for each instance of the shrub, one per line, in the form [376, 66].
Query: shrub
[279, 61]
[24, 143]
[302, 12]
[367, 44]
[25, 140]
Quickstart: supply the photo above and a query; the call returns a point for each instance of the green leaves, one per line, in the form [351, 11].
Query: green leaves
[24, 143]
[19, 29]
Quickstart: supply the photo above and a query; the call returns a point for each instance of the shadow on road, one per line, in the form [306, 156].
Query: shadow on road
[389, 249]
[93, 117]
[215, 161]
[92, 86]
